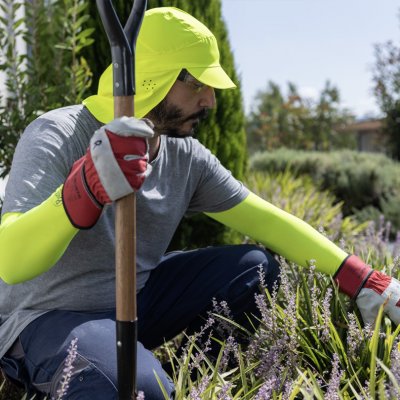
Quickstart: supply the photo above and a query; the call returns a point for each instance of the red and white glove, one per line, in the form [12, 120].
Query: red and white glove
[114, 166]
[370, 289]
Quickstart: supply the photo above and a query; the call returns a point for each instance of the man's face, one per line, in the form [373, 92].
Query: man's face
[186, 104]
[171, 120]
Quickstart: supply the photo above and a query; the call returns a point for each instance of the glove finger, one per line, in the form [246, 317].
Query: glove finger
[392, 308]
[394, 314]
[392, 296]
[128, 148]
[131, 126]
[368, 302]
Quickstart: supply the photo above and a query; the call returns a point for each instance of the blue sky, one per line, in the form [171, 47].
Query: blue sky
[310, 41]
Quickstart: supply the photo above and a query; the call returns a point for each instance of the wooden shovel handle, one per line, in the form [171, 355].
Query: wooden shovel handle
[125, 238]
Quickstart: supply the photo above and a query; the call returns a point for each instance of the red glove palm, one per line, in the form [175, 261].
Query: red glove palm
[370, 289]
[113, 167]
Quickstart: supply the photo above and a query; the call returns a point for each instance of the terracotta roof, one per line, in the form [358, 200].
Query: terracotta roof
[374, 124]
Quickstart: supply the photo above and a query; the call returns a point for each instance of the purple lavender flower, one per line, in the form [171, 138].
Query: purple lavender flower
[395, 367]
[270, 359]
[223, 327]
[290, 321]
[354, 337]
[254, 350]
[334, 382]
[223, 394]
[68, 368]
[368, 331]
[261, 276]
[199, 337]
[231, 347]
[266, 390]
[197, 392]
[314, 294]
[326, 315]
[268, 312]
[140, 395]
[201, 354]
[396, 250]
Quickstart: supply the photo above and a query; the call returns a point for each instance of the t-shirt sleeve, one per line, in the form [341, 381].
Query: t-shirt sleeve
[39, 166]
[217, 190]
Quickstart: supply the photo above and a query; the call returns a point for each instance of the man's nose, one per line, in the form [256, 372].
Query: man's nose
[207, 99]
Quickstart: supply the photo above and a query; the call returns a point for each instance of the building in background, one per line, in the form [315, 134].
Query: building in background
[369, 134]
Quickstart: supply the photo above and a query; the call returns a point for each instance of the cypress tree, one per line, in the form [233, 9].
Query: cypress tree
[223, 132]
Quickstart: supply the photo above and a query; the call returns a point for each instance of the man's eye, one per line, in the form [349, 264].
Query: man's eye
[197, 86]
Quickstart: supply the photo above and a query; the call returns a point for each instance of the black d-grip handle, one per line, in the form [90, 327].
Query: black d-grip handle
[122, 42]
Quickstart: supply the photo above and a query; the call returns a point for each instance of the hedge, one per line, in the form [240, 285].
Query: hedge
[368, 184]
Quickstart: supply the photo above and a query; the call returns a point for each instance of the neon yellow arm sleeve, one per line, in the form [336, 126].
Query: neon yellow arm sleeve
[32, 242]
[282, 233]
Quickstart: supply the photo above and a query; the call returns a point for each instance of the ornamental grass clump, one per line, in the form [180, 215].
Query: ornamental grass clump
[308, 341]
[297, 354]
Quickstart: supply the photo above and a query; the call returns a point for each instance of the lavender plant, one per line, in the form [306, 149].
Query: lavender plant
[311, 342]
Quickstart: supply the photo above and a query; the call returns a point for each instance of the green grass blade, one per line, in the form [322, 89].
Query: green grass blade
[373, 347]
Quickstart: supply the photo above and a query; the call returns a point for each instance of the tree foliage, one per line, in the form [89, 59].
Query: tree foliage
[386, 75]
[40, 57]
[294, 121]
[386, 78]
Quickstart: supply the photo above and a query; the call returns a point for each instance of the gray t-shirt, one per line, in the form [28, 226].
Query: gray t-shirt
[185, 177]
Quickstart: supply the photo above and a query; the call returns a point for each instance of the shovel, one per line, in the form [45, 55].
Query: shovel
[122, 42]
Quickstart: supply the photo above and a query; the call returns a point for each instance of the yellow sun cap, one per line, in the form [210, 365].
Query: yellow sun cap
[169, 40]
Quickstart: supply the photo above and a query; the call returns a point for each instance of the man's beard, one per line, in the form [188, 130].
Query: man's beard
[168, 120]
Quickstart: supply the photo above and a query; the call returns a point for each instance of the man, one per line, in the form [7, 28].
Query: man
[57, 234]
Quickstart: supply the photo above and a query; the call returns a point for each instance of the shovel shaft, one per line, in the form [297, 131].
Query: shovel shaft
[125, 280]
[125, 259]
[122, 42]
[123, 105]
[125, 238]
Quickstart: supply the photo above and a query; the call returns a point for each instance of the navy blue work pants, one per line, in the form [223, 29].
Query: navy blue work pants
[178, 293]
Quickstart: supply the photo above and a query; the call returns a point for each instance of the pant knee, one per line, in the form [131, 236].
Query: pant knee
[153, 383]
[261, 261]
[257, 265]
[86, 382]
[272, 270]
[151, 376]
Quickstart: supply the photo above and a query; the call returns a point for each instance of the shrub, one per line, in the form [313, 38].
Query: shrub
[358, 180]
[52, 31]
[301, 197]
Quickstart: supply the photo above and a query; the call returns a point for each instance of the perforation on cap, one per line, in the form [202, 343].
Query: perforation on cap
[149, 84]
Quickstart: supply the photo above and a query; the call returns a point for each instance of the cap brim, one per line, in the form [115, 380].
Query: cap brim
[213, 76]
